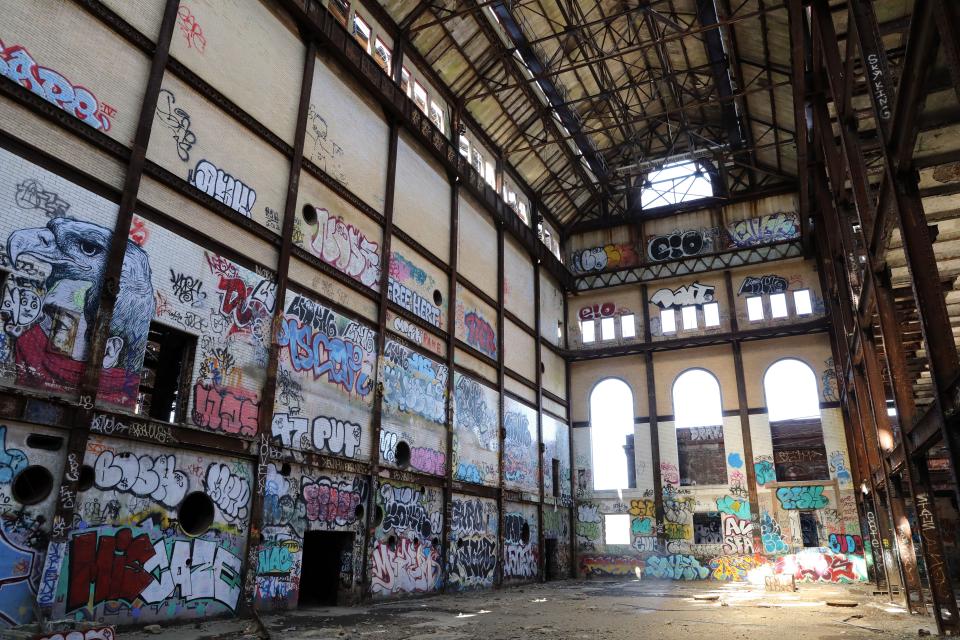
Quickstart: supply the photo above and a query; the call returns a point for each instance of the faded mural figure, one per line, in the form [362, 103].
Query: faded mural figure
[49, 314]
[326, 153]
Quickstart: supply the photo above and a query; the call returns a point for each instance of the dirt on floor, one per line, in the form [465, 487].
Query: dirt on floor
[588, 610]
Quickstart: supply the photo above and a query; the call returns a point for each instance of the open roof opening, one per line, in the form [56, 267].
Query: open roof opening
[675, 183]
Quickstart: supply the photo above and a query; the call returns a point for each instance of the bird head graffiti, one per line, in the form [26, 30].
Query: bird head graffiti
[53, 333]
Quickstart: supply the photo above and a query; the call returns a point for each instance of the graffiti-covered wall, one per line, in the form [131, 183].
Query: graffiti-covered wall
[520, 446]
[521, 549]
[405, 552]
[473, 543]
[476, 437]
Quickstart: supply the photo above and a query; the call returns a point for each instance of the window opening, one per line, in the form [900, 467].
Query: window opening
[675, 183]
[588, 331]
[698, 415]
[809, 529]
[778, 305]
[706, 528]
[755, 308]
[167, 364]
[668, 321]
[361, 32]
[616, 528]
[611, 431]
[382, 55]
[793, 405]
[608, 329]
[628, 328]
[689, 315]
[711, 315]
[802, 302]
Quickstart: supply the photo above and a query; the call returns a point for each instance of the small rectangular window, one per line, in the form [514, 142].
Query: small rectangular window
[405, 81]
[668, 321]
[361, 32]
[711, 315]
[465, 147]
[420, 96]
[616, 528]
[628, 327]
[382, 55]
[588, 331]
[755, 308]
[778, 305]
[340, 10]
[809, 529]
[436, 115]
[491, 174]
[801, 302]
[608, 329]
[559, 331]
[689, 315]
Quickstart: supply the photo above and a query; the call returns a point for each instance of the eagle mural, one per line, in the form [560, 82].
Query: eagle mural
[50, 350]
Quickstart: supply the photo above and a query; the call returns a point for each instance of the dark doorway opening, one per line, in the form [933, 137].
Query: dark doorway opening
[167, 365]
[552, 565]
[808, 529]
[326, 565]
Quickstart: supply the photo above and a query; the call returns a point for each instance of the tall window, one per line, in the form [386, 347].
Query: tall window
[793, 404]
[698, 413]
[611, 426]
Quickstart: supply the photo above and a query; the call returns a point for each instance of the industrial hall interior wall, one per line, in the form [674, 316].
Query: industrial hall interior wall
[380, 382]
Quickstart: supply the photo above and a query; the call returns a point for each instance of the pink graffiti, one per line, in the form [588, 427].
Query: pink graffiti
[605, 310]
[344, 247]
[192, 32]
[407, 566]
[821, 567]
[428, 460]
[480, 334]
[330, 501]
[17, 64]
[669, 473]
[226, 409]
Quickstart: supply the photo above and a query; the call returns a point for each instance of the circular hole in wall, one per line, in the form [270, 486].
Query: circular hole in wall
[285, 469]
[358, 512]
[435, 542]
[392, 543]
[32, 485]
[196, 513]
[402, 454]
[309, 214]
[461, 543]
[437, 297]
[86, 477]
[542, 368]
[378, 516]
[525, 533]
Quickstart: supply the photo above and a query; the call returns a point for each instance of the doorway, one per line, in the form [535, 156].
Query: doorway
[327, 563]
[552, 566]
[808, 529]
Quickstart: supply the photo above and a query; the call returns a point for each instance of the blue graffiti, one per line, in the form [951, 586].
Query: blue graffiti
[765, 472]
[734, 460]
[340, 360]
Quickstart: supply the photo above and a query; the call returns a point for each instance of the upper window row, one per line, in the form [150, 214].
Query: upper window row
[778, 307]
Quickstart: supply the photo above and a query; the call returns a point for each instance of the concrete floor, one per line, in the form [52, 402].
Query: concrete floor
[588, 610]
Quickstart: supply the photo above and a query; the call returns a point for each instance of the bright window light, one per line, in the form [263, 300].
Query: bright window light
[689, 315]
[628, 328]
[611, 430]
[361, 32]
[711, 315]
[668, 321]
[616, 528]
[420, 96]
[405, 81]
[588, 331]
[675, 183]
[778, 305]
[559, 330]
[755, 308]
[608, 329]
[790, 386]
[801, 302]
[436, 115]
[382, 55]
[696, 400]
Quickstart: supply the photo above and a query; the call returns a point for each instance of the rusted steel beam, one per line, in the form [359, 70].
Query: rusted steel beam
[269, 392]
[651, 381]
[743, 409]
[538, 372]
[89, 385]
[948, 25]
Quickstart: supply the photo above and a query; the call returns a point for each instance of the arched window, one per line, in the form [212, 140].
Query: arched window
[790, 386]
[698, 417]
[611, 427]
[793, 406]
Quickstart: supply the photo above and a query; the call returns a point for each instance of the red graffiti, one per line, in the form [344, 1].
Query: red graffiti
[192, 32]
[112, 565]
[225, 409]
[480, 334]
[605, 310]
[821, 567]
[234, 301]
[138, 231]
